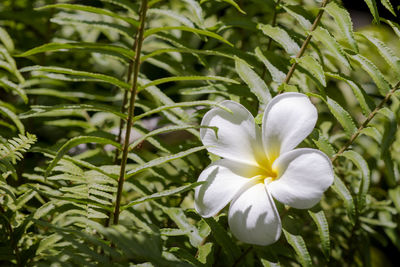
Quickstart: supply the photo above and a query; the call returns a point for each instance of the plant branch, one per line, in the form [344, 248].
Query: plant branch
[306, 41]
[131, 108]
[365, 123]
[125, 99]
[273, 23]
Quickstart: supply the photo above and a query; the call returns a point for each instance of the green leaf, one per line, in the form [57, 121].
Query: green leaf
[390, 130]
[323, 36]
[186, 50]
[74, 96]
[222, 237]
[388, 137]
[314, 67]
[340, 188]
[394, 195]
[394, 25]
[387, 53]
[206, 252]
[342, 116]
[89, 47]
[299, 246]
[152, 31]
[169, 13]
[277, 75]
[95, 10]
[181, 104]
[179, 217]
[21, 200]
[366, 103]
[234, 4]
[87, 76]
[197, 11]
[323, 230]
[103, 26]
[388, 6]
[185, 78]
[126, 4]
[323, 144]
[13, 148]
[373, 9]
[85, 164]
[166, 129]
[15, 88]
[362, 165]
[373, 133]
[343, 20]
[280, 36]
[13, 117]
[6, 40]
[297, 12]
[256, 84]
[164, 193]
[77, 141]
[162, 160]
[37, 110]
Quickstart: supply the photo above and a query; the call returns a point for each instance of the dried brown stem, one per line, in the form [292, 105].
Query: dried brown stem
[365, 123]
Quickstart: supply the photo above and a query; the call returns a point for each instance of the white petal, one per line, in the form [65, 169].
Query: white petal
[224, 178]
[253, 217]
[288, 119]
[238, 137]
[303, 176]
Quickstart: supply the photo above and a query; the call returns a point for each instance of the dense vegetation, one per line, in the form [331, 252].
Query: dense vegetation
[100, 107]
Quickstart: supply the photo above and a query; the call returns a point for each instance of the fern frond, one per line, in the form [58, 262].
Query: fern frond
[13, 149]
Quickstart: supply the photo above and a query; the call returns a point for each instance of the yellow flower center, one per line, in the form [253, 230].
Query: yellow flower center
[266, 176]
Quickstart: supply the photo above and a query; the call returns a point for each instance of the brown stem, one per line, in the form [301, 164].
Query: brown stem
[122, 121]
[131, 108]
[306, 41]
[365, 123]
[125, 99]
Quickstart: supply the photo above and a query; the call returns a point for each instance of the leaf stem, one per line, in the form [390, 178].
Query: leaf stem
[365, 123]
[306, 41]
[131, 108]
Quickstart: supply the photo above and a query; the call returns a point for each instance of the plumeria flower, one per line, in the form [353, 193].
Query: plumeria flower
[260, 164]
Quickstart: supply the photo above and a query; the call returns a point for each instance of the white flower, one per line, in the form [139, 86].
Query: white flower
[259, 163]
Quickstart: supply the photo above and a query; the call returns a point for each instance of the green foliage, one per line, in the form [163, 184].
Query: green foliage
[74, 74]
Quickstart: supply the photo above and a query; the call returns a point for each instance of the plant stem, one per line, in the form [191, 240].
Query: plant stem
[306, 41]
[365, 123]
[131, 108]
[123, 109]
[273, 23]
[125, 99]
[236, 263]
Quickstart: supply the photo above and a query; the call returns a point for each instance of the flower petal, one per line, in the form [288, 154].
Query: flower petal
[224, 178]
[303, 176]
[288, 119]
[253, 217]
[238, 137]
